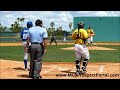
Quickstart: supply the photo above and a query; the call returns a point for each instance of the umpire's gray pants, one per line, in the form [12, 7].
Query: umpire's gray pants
[36, 54]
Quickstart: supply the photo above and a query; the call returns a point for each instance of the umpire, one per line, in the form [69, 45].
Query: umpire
[38, 38]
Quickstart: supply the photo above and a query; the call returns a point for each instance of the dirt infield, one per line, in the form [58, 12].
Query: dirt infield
[60, 70]
[70, 48]
[10, 44]
[20, 44]
[91, 48]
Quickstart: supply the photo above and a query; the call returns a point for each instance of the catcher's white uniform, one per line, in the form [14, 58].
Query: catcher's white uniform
[81, 51]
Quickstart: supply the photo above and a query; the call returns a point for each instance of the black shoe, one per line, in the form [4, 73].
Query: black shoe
[77, 72]
[83, 71]
[31, 76]
[36, 78]
[40, 77]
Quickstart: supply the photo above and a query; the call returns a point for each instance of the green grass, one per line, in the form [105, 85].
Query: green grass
[106, 55]
[56, 54]
[11, 53]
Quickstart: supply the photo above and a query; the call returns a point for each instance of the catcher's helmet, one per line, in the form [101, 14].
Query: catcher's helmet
[29, 24]
[81, 24]
[38, 22]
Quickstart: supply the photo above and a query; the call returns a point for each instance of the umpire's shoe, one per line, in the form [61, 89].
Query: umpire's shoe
[31, 76]
[40, 77]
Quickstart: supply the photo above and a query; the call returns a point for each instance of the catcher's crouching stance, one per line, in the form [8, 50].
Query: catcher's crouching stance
[81, 52]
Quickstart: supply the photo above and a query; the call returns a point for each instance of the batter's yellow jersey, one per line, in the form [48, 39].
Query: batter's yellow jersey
[83, 35]
[90, 31]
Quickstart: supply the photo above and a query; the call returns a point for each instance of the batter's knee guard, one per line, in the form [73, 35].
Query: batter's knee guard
[85, 62]
[78, 64]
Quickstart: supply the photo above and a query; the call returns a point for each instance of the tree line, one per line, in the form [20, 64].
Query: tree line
[17, 26]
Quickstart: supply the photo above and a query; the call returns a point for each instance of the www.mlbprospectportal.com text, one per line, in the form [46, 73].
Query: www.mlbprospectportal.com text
[87, 75]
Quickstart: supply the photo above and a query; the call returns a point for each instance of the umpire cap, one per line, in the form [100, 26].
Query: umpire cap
[81, 24]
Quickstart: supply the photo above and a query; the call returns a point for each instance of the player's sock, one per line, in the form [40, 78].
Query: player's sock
[25, 63]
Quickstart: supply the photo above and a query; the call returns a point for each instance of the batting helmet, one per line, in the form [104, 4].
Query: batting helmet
[29, 24]
[81, 24]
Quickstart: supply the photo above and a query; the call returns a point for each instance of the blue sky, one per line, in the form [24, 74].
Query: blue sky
[60, 18]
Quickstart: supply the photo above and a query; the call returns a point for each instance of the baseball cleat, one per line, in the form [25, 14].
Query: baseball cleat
[26, 69]
[77, 72]
[82, 71]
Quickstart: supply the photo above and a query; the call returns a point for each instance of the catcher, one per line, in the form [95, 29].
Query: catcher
[90, 40]
[81, 52]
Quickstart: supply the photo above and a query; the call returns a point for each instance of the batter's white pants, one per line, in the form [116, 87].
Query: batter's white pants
[25, 52]
[81, 51]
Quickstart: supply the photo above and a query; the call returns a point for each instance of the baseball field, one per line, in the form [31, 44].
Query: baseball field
[59, 62]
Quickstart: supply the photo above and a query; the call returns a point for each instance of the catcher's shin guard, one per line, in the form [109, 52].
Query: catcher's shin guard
[85, 62]
[78, 64]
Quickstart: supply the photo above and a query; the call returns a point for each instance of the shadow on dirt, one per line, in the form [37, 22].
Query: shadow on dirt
[24, 75]
[19, 68]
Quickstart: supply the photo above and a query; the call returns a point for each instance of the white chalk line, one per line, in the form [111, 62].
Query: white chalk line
[11, 61]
